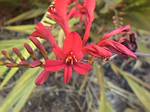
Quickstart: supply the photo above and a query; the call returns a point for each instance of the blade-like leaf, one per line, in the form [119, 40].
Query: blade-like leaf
[3, 70]
[9, 44]
[105, 106]
[142, 94]
[24, 85]
[28, 29]
[137, 13]
[26, 15]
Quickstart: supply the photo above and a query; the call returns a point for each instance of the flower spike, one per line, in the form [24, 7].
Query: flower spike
[73, 55]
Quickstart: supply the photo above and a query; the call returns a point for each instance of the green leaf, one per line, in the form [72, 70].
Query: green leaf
[138, 20]
[26, 15]
[28, 29]
[142, 94]
[20, 93]
[10, 74]
[26, 94]
[9, 44]
[105, 106]
[137, 13]
[3, 70]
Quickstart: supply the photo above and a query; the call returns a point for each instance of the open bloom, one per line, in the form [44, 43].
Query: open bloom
[70, 58]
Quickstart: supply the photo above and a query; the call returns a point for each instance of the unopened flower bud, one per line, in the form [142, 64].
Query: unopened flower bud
[7, 55]
[39, 46]
[30, 51]
[18, 53]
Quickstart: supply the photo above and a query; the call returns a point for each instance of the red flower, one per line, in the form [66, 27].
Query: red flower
[85, 12]
[106, 47]
[59, 14]
[69, 58]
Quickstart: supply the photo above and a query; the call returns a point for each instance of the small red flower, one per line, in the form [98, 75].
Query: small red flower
[59, 14]
[69, 58]
[85, 12]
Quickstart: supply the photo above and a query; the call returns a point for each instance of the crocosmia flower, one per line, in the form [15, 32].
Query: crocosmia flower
[71, 57]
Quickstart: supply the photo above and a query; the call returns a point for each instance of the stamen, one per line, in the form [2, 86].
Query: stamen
[74, 57]
[71, 58]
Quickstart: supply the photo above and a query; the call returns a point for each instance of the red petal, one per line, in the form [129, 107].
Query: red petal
[73, 43]
[53, 66]
[67, 74]
[97, 51]
[90, 6]
[87, 32]
[117, 31]
[82, 68]
[74, 13]
[61, 8]
[60, 14]
[59, 53]
[43, 32]
[42, 78]
[117, 48]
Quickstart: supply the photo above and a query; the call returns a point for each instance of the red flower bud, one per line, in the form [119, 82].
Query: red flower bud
[30, 51]
[39, 46]
[18, 53]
